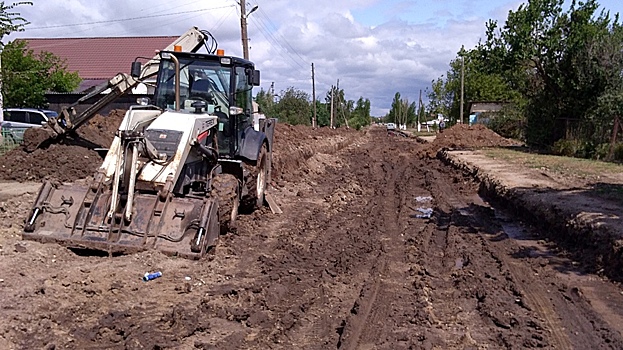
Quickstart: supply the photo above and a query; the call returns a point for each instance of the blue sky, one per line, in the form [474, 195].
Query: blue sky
[375, 48]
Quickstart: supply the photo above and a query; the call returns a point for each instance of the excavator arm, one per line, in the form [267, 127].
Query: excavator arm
[69, 119]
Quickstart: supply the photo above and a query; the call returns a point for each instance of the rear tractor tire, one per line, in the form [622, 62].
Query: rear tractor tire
[256, 181]
[226, 189]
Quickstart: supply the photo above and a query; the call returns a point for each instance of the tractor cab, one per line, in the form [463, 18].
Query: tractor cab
[213, 84]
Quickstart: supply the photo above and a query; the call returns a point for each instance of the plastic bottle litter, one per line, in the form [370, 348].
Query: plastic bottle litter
[150, 276]
[426, 213]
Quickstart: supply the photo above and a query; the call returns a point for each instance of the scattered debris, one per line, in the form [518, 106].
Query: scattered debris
[151, 276]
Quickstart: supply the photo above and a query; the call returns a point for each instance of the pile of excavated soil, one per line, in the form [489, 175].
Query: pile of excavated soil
[72, 159]
[462, 136]
[101, 129]
[69, 160]
[57, 162]
[295, 144]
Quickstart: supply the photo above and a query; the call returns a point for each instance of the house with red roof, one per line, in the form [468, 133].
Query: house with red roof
[98, 59]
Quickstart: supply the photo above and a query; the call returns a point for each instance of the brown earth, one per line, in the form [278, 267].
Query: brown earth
[354, 262]
[462, 136]
[68, 160]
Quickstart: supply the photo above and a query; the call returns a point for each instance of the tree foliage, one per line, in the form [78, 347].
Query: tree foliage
[28, 76]
[561, 69]
[11, 21]
[402, 112]
[293, 107]
[266, 102]
[360, 115]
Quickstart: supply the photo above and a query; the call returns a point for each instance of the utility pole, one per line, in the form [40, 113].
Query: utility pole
[419, 108]
[462, 82]
[332, 90]
[243, 27]
[314, 96]
[1, 98]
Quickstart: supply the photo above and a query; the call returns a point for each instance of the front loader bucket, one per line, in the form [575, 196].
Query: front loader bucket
[76, 216]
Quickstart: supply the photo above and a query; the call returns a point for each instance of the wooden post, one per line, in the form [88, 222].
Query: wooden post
[313, 97]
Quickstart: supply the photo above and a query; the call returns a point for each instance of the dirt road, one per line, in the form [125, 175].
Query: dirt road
[354, 262]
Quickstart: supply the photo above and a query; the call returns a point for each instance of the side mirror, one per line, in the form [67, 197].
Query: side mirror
[254, 78]
[135, 71]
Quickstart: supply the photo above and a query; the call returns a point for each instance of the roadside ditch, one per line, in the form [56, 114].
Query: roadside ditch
[588, 229]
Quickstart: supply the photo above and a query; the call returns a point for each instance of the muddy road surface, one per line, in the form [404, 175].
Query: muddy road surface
[379, 246]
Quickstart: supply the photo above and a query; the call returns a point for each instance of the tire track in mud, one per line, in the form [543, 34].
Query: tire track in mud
[366, 323]
[348, 265]
[530, 295]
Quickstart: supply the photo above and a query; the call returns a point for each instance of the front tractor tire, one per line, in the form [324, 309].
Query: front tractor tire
[226, 189]
[256, 181]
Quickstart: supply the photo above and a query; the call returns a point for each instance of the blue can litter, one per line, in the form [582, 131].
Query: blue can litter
[150, 276]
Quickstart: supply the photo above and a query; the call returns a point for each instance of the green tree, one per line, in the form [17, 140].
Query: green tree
[28, 76]
[294, 107]
[341, 107]
[401, 111]
[322, 113]
[555, 59]
[360, 116]
[560, 69]
[266, 101]
[439, 98]
[9, 22]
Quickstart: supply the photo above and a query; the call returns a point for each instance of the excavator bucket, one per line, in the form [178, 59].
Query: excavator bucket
[77, 216]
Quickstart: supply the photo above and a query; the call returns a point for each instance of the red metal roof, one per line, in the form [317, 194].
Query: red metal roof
[100, 58]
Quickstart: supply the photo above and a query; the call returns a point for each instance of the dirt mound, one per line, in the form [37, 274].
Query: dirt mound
[295, 144]
[462, 136]
[101, 129]
[58, 162]
[73, 160]
[69, 160]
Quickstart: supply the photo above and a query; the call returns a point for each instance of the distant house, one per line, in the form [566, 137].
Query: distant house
[482, 111]
[98, 59]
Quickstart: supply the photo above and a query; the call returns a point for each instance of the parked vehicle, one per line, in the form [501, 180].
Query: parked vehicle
[391, 126]
[15, 121]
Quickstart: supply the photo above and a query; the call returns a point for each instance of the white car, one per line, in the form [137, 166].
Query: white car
[391, 126]
[16, 120]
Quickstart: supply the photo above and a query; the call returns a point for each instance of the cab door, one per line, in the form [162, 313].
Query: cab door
[243, 102]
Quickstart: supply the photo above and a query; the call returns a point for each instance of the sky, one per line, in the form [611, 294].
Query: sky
[374, 48]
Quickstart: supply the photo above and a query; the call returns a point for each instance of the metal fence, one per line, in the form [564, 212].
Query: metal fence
[10, 138]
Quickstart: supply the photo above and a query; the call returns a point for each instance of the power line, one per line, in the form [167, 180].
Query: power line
[127, 19]
[265, 16]
[275, 43]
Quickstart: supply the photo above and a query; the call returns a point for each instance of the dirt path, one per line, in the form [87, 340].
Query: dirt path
[352, 263]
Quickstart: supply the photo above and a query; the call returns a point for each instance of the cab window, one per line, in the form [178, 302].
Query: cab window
[243, 90]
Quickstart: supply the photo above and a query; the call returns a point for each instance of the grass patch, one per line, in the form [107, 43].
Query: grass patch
[589, 174]
[576, 167]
